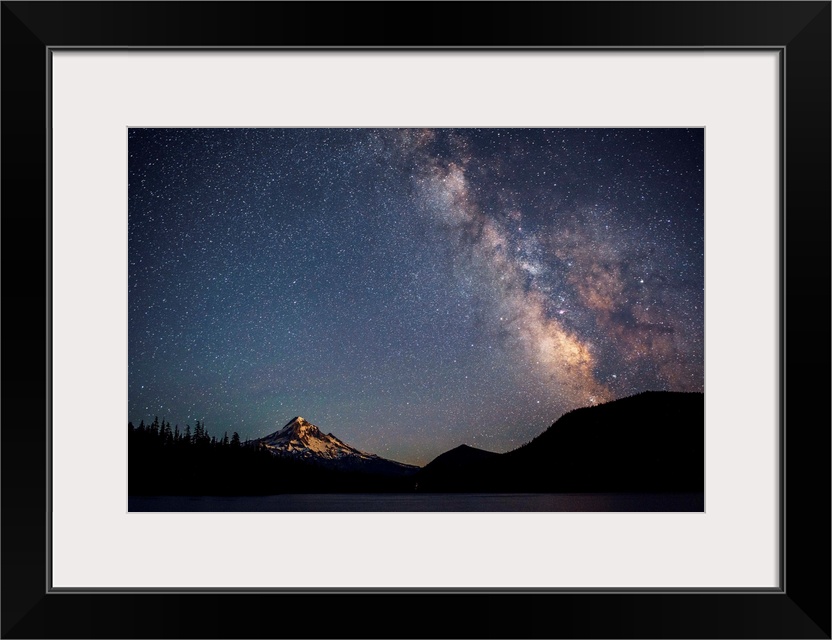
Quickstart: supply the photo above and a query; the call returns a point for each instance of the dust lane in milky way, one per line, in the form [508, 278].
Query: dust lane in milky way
[411, 290]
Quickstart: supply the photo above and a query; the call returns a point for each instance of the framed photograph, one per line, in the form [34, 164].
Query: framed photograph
[436, 296]
[506, 272]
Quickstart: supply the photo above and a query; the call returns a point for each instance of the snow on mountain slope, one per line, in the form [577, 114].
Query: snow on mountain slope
[302, 439]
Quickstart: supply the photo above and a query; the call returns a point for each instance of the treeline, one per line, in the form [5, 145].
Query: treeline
[160, 434]
[169, 461]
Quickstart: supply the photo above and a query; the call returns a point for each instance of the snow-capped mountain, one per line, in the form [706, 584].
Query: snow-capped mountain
[303, 440]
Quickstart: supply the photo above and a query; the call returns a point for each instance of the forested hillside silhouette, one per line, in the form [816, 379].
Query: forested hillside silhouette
[169, 461]
[650, 442]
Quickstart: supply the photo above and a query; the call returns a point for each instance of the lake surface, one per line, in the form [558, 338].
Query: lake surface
[476, 502]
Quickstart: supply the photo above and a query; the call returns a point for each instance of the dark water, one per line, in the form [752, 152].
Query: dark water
[478, 502]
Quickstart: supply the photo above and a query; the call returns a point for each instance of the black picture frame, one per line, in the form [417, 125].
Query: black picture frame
[800, 31]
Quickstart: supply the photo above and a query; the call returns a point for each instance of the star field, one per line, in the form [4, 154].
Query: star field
[411, 290]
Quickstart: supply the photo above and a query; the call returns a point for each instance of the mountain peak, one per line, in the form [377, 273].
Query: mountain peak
[463, 447]
[301, 439]
[299, 426]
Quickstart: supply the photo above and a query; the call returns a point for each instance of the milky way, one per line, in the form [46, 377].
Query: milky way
[411, 290]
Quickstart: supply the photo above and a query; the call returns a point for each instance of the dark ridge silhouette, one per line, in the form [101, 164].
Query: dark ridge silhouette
[453, 470]
[651, 442]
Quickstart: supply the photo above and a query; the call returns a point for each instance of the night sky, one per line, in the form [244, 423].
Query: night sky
[411, 290]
